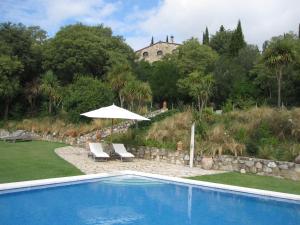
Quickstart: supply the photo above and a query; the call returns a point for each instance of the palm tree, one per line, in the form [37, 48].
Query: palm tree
[50, 87]
[277, 56]
[32, 90]
[118, 79]
[143, 93]
[199, 86]
[130, 93]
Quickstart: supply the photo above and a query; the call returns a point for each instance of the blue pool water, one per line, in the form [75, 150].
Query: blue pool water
[136, 200]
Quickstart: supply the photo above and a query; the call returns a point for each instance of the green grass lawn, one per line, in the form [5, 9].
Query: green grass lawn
[253, 181]
[32, 160]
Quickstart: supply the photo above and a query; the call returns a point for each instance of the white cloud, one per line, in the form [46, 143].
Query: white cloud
[261, 19]
[51, 14]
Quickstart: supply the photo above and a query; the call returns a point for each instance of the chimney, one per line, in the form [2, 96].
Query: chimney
[172, 39]
[299, 31]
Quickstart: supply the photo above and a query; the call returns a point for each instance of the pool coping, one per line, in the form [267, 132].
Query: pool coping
[60, 180]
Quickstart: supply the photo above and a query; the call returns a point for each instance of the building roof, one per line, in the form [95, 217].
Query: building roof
[159, 42]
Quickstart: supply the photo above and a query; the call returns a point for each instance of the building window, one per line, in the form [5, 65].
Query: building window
[159, 52]
[145, 54]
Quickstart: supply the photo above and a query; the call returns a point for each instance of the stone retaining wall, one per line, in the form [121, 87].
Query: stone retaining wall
[282, 169]
[82, 139]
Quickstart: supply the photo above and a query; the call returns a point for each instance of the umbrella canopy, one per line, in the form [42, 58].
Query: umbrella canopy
[113, 112]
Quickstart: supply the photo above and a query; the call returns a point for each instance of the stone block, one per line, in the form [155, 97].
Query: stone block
[243, 171]
[283, 167]
[226, 168]
[267, 170]
[297, 159]
[272, 165]
[259, 165]
[253, 169]
[249, 163]
[297, 168]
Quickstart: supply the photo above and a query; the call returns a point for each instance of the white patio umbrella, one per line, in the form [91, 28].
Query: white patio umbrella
[113, 112]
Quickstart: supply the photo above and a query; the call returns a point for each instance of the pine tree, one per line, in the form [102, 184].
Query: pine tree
[237, 41]
[205, 40]
[222, 28]
[152, 41]
[167, 39]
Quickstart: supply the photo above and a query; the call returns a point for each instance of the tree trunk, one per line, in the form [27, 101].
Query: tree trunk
[121, 100]
[199, 103]
[50, 107]
[6, 109]
[279, 78]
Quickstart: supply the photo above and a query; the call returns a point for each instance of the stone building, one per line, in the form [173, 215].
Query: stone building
[155, 51]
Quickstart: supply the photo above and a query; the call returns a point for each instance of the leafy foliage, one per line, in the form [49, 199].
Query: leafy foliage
[86, 50]
[198, 86]
[86, 93]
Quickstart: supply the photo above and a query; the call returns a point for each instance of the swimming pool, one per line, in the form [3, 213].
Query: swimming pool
[132, 199]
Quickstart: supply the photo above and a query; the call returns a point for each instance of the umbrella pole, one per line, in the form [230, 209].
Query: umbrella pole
[111, 131]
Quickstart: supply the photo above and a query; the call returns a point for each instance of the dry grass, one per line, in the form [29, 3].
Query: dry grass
[172, 129]
[275, 132]
[57, 126]
[282, 123]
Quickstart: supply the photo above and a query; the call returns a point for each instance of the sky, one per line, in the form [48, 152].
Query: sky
[138, 20]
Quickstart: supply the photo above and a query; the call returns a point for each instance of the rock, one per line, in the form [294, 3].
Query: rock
[3, 133]
[258, 165]
[249, 163]
[186, 157]
[283, 167]
[243, 171]
[207, 163]
[253, 169]
[297, 169]
[226, 167]
[272, 165]
[297, 160]
[267, 170]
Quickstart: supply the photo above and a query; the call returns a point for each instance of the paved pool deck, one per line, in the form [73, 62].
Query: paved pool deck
[79, 158]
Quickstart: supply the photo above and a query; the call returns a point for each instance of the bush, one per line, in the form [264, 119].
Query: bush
[252, 148]
[84, 94]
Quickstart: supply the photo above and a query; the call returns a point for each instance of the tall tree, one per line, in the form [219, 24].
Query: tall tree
[205, 40]
[117, 78]
[85, 50]
[222, 28]
[50, 87]
[237, 41]
[199, 86]
[192, 56]
[220, 42]
[31, 92]
[163, 80]
[278, 55]
[152, 41]
[10, 70]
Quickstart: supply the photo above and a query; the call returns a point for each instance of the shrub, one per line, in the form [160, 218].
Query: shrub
[84, 94]
[252, 148]
[266, 152]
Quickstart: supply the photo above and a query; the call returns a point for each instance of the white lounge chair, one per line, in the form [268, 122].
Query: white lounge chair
[121, 151]
[97, 151]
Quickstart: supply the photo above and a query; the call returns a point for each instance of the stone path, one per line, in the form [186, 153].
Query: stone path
[78, 157]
